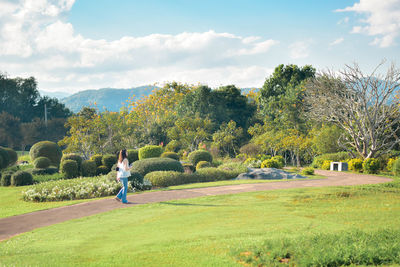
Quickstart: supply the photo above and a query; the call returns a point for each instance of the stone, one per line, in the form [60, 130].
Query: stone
[267, 174]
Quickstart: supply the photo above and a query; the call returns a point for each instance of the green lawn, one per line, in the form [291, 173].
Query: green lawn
[207, 231]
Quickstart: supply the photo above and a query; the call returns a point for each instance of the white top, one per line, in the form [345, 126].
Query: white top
[123, 169]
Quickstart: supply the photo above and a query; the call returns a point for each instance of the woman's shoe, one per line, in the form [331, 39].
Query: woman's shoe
[117, 199]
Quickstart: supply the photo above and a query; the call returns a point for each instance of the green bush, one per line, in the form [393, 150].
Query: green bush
[371, 165]
[4, 158]
[41, 163]
[308, 171]
[355, 165]
[21, 178]
[43, 171]
[250, 150]
[89, 168]
[46, 149]
[102, 170]
[69, 168]
[280, 160]
[109, 160]
[6, 178]
[48, 177]
[336, 157]
[326, 165]
[233, 166]
[76, 157]
[173, 146]
[188, 167]
[200, 155]
[12, 156]
[133, 155]
[97, 158]
[396, 167]
[145, 166]
[150, 151]
[270, 163]
[136, 179]
[171, 155]
[390, 162]
[170, 178]
[203, 164]
[215, 174]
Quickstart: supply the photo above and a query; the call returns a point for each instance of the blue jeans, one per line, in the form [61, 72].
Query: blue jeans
[122, 193]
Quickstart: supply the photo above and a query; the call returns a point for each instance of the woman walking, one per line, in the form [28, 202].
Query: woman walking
[122, 175]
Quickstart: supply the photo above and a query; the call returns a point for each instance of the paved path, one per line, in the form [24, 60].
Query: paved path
[26, 222]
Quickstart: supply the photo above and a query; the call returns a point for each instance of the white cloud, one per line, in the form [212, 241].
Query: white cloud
[344, 21]
[300, 49]
[337, 41]
[382, 20]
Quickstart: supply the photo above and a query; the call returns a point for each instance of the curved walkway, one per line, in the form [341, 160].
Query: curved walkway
[26, 222]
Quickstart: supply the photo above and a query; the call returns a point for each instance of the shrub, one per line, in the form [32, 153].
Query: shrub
[89, 168]
[263, 157]
[233, 166]
[4, 158]
[280, 161]
[203, 164]
[214, 174]
[390, 162]
[133, 155]
[171, 155]
[6, 178]
[150, 151]
[356, 165]
[44, 171]
[109, 160]
[396, 167]
[252, 163]
[371, 165]
[21, 178]
[47, 177]
[136, 179]
[188, 167]
[69, 168]
[12, 156]
[308, 171]
[326, 165]
[97, 158]
[173, 146]
[46, 149]
[200, 155]
[41, 162]
[270, 163]
[145, 166]
[169, 178]
[76, 157]
[102, 170]
[337, 157]
[251, 150]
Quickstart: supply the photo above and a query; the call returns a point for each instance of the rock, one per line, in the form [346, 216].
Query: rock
[268, 174]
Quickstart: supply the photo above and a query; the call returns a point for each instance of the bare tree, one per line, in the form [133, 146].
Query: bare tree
[364, 106]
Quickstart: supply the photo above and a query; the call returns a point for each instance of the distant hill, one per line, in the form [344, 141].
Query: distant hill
[111, 99]
[58, 95]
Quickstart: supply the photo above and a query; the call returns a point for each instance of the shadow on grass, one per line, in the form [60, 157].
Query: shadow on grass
[190, 204]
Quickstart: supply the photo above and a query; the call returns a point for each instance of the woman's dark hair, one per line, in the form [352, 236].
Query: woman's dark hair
[122, 155]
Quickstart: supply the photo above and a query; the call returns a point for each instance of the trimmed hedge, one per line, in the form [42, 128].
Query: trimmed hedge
[200, 155]
[44, 171]
[150, 151]
[171, 155]
[102, 170]
[41, 163]
[89, 168]
[355, 165]
[371, 165]
[146, 166]
[215, 174]
[6, 178]
[21, 178]
[69, 168]
[97, 158]
[12, 156]
[133, 155]
[46, 149]
[4, 158]
[76, 157]
[203, 164]
[109, 160]
[170, 178]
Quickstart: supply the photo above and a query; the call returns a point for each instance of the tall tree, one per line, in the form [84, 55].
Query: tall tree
[363, 105]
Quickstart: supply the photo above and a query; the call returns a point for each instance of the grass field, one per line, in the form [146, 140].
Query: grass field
[213, 231]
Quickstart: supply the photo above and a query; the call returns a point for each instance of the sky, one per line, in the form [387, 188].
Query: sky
[74, 45]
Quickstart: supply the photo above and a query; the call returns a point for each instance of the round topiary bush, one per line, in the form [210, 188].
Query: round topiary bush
[6, 179]
[133, 155]
[203, 164]
[171, 155]
[76, 157]
[49, 170]
[102, 170]
[145, 166]
[97, 158]
[12, 156]
[355, 165]
[89, 168]
[46, 149]
[4, 158]
[200, 155]
[21, 178]
[109, 160]
[396, 167]
[308, 171]
[270, 163]
[150, 151]
[371, 165]
[69, 168]
[41, 163]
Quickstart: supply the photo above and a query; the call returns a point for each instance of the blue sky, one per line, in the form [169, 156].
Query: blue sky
[72, 45]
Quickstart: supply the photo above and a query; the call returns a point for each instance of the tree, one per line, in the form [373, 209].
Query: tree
[228, 137]
[325, 138]
[362, 105]
[10, 133]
